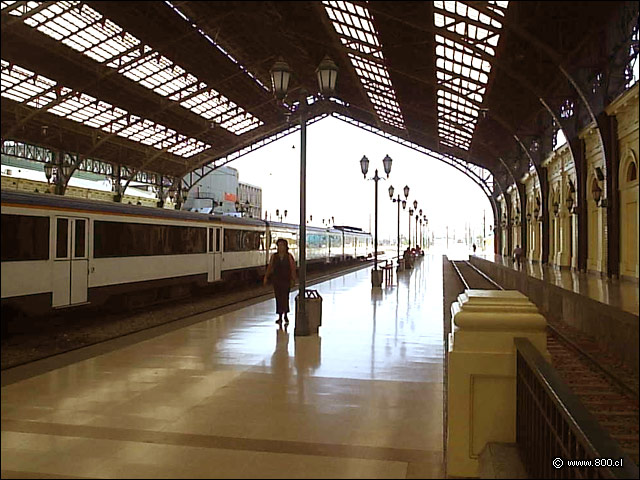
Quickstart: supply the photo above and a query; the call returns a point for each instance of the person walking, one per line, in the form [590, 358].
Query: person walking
[282, 273]
[517, 256]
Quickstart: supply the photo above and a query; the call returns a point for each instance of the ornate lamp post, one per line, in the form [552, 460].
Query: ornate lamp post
[415, 209]
[376, 275]
[327, 73]
[404, 207]
[426, 229]
[410, 215]
[404, 204]
[421, 231]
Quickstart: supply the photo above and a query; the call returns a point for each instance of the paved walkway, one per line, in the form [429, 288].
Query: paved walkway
[234, 396]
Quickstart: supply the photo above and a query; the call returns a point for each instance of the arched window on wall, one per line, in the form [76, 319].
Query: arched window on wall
[629, 215]
[632, 172]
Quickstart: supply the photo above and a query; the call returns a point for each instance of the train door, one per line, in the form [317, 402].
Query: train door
[214, 254]
[71, 261]
[217, 271]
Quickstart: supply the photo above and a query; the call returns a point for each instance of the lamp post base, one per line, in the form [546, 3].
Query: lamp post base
[376, 278]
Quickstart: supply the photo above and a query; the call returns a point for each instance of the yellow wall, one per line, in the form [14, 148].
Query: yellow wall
[503, 232]
[625, 108]
[534, 230]
[515, 218]
[560, 170]
[596, 216]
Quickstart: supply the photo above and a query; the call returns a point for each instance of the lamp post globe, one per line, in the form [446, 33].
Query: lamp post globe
[406, 191]
[391, 191]
[327, 73]
[364, 165]
[280, 75]
[386, 162]
[48, 170]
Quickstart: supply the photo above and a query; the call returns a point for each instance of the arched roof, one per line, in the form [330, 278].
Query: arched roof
[168, 87]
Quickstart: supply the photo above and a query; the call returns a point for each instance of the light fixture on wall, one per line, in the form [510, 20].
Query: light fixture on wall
[569, 202]
[596, 191]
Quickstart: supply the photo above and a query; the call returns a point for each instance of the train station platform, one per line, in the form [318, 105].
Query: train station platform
[604, 309]
[235, 396]
[622, 294]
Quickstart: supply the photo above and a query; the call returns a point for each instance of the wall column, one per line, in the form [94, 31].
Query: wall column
[581, 222]
[544, 200]
[608, 132]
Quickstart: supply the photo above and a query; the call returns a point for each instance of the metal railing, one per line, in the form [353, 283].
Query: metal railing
[556, 436]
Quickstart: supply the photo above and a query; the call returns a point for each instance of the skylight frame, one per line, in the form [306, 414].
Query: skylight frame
[354, 25]
[73, 22]
[462, 73]
[39, 92]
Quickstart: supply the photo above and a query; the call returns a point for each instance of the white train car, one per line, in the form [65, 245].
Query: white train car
[60, 252]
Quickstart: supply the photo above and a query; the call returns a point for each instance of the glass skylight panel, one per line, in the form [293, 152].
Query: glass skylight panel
[460, 68]
[356, 31]
[82, 28]
[37, 91]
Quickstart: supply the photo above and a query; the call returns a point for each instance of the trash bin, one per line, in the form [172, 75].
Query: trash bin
[376, 278]
[313, 304]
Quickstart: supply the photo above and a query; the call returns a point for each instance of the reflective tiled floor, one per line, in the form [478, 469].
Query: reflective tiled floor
[236, 397]
[618, 293]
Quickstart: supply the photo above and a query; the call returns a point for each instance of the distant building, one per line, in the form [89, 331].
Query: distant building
[214, 193]
[250, 199]
[219, 191]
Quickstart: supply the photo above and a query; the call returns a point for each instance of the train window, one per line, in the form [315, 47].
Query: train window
[218, 240]
[119, 239]
[231, 240]
[210, 239]
[80, 238]
[24, 238]
[242, 240]
[62, 232]
[290, 237]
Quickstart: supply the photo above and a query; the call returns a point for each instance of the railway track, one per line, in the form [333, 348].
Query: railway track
[610, 398]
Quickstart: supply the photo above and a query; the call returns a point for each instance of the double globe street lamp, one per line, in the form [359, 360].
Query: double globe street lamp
[376, 275]
[326, 73]
[404, 202]
[411, 210]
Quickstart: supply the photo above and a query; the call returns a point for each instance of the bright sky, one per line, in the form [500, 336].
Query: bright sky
[336, 187]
